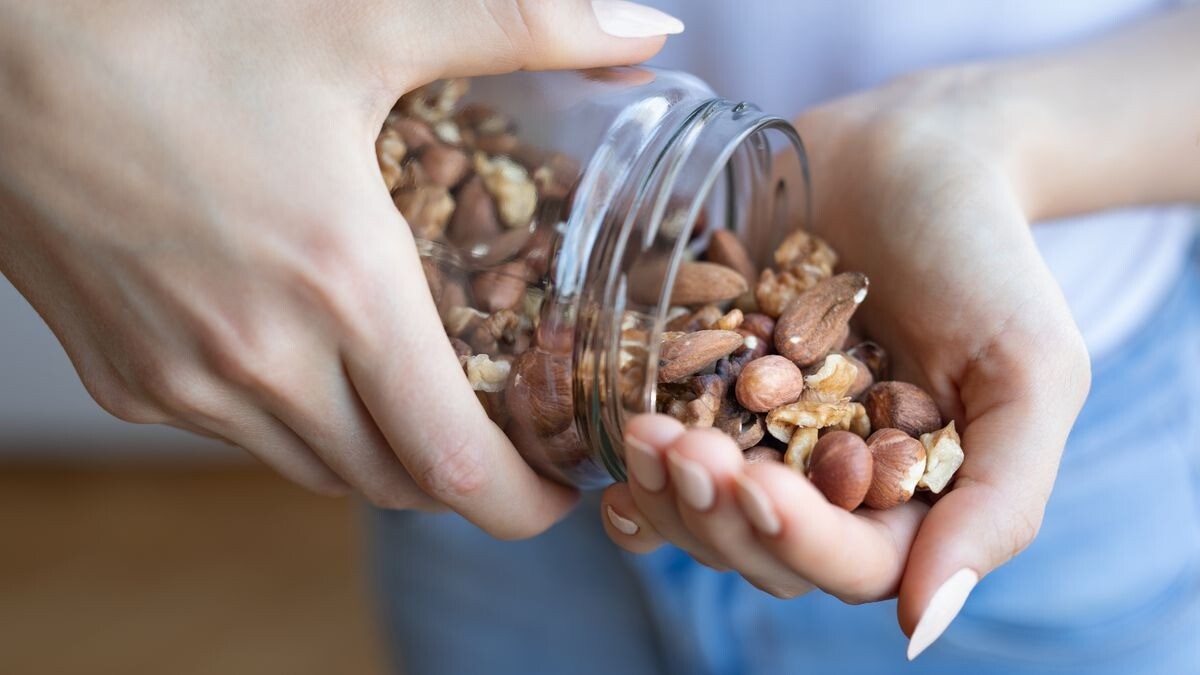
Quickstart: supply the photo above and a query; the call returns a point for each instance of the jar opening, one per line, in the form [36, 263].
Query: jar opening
[724, 167]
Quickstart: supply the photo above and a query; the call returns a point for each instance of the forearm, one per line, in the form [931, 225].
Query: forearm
[1112, 123]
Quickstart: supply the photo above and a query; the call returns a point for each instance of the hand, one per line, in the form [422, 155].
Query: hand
[911, 188]
[189, 196]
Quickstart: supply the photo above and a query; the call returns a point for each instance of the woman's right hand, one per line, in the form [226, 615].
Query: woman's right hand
[189, 197]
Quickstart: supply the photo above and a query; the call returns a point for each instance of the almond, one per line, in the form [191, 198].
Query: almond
[683, 354]
[701, 283]
[726, 249]
[815, 323]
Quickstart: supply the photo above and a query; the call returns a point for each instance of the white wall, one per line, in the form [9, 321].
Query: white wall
[45, 413]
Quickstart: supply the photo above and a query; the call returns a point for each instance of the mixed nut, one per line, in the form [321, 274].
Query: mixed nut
[767, 356]
[778, 368]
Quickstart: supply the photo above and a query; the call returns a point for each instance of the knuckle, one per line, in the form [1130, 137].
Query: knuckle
[392, 497]
[455, 472]
[118, 401]
[172, 388]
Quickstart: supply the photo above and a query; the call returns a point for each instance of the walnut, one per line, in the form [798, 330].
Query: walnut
[831, 381]
[510, 184]
[484, 374]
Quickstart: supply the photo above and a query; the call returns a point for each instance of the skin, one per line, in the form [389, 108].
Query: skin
[928, 185]
[189, 197]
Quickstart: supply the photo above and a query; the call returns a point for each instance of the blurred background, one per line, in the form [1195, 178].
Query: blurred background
[132, 549]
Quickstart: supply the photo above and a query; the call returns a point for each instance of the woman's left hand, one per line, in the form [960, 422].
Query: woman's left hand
[911, 187]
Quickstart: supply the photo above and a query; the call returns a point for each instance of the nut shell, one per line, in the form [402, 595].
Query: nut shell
[903, 406]
[899, 464]
[769, 382]
[841, 467]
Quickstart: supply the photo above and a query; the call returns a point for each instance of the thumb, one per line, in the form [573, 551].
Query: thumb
[992, 514]
[454, 38]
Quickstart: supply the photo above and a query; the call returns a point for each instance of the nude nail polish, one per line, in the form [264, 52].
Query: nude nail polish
[644, 464]
[945, 604]
[621, 523]
[623, 19]
[756, 505]
[692, 481]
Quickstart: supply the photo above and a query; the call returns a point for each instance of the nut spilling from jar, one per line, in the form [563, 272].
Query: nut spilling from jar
[767, 356]
[800, 374]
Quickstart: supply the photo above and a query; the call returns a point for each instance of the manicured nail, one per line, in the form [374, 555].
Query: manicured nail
[693, 482]
[942, 609]
[644, 464]
[624, 525]
[757, 507]
[623, 19]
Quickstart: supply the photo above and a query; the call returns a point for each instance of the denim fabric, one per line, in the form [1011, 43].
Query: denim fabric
[1112, 584]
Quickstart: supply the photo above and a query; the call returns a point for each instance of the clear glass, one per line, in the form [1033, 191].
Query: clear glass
[634, 168]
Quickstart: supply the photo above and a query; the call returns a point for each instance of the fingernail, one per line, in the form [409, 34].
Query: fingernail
[624, 525]
[757, 507]
[942, 609]
[623, 19]
[693, 482]
[644, 464]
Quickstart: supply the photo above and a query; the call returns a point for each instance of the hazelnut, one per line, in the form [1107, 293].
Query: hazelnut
[416, 134]
[903, 406]
[814, 323]
[944, 455]
[761, 454]
[875, 358]
[899, 464]
[540, 391]
[474, 222]
[841, 467]
[502, 287]
[769, 382]
[445, 165]
[744, 427]
[760, 326]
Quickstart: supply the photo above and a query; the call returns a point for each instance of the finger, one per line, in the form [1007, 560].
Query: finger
[325, 412]
[624, 524]
[648, 439]
[274, 444]
[857, 557]
[408, 377]
[1017, 421]
[993, 513]
[451, 38]
[722, 526]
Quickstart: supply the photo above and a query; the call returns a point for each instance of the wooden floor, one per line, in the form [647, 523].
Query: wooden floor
[182, 570]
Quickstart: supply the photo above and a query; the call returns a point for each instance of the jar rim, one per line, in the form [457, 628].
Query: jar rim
[711, 134]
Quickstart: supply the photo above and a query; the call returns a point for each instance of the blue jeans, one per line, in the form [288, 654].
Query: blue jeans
[1111, 585]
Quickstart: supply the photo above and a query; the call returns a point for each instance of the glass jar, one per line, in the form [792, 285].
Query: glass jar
[553, 212]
